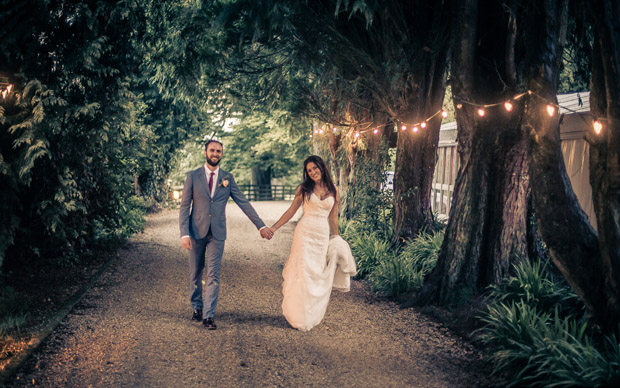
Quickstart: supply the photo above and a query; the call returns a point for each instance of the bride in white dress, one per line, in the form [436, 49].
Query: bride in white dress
[317, 263]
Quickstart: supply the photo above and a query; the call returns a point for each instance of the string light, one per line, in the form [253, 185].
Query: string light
[508, 106]
[5, 88]
[598, 127]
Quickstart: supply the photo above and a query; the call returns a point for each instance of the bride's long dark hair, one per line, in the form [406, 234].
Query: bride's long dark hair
[307, 186]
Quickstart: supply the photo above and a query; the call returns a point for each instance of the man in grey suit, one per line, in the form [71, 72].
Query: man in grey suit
[202, 221]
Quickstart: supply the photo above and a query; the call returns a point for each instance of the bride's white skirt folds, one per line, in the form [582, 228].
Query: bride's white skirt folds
[316, 265]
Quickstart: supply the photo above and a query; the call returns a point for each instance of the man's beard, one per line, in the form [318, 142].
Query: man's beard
[213, 164]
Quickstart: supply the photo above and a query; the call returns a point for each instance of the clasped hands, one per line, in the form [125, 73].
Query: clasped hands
[266, 232]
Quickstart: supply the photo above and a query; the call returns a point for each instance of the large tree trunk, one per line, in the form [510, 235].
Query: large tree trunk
[416, 153]
[488, 225]
[605, 148]
[573, 244]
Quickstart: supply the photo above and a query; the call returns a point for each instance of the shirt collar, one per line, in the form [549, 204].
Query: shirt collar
[208, 170]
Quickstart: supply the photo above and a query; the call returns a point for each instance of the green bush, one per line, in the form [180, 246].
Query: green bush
[537, 334]
[348, 228]
[532, 283]
[13, 312]
[538, 348]
[395, 275]
[368, 250]
[423, 251]
[130, 219]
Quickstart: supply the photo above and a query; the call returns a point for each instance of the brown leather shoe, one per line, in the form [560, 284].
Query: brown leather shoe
[209, 323]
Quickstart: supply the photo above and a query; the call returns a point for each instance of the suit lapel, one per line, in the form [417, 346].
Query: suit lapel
[202, 178]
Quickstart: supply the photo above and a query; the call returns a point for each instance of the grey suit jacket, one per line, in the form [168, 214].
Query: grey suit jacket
[199, 211]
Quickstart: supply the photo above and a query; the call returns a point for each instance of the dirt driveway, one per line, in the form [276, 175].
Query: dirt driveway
[133, 328]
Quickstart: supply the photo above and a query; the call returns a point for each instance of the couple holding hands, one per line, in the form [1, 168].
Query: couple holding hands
[317, 262]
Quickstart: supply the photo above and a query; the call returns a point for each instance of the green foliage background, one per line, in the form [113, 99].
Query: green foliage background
[83, 133]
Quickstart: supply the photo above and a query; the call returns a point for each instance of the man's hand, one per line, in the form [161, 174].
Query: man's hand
[186, 242]
[266, 232]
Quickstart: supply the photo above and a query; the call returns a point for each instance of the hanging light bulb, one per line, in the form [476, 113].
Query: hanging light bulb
[415, 129]
[444, 114]
[316, 131]
[550, 109]
[598, 127]
[480, 112]
[335, 129]
[404, 127]
[321, 131]
[508, 106]
[423, 124]
[375, 131]
[357, 134]
[459, 106]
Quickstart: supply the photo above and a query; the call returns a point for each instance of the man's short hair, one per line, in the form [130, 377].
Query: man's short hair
[213, 141]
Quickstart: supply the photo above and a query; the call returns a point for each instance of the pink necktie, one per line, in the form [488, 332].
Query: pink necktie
[211, 183]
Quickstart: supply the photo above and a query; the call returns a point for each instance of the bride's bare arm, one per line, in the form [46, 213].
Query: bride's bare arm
[333, 216]
[290, 212]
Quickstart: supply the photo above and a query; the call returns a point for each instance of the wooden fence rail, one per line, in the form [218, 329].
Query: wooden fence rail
[268, 192]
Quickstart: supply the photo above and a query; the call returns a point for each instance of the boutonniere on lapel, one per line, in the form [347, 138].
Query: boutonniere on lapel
[224, 182]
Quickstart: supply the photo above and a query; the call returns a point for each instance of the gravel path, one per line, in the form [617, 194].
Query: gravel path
[133, 328]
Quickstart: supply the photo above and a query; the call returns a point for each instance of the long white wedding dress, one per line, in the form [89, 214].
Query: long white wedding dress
[316, 265]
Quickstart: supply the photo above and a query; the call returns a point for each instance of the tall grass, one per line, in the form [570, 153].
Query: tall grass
[537, 334]
[13, 313]
[369, 250]
[401, 273]
[423, 251]
[395, 276]
[532, 284]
